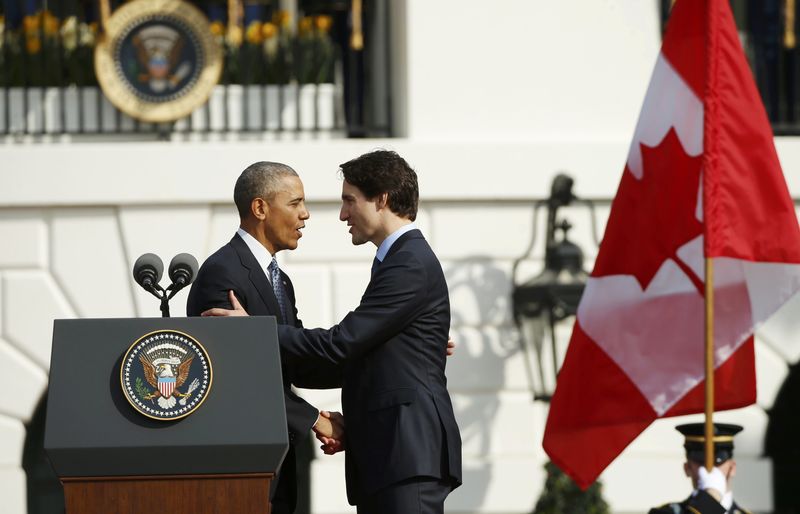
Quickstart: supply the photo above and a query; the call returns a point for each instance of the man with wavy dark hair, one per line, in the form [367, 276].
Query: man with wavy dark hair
[383, 171]
[403, 446]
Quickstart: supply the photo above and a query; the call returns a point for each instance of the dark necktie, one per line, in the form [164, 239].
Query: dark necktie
[277, 288]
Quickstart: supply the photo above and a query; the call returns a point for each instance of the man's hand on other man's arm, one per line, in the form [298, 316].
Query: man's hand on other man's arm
[237, 310]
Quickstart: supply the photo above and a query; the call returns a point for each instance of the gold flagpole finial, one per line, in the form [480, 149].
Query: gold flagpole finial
[105, 14]
[357, 35]
[789, 38]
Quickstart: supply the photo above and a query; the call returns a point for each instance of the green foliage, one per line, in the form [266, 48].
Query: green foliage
[141, 391]
[314, 51]
[562, 496]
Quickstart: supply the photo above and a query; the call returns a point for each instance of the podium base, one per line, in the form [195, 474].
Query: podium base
[181, 494]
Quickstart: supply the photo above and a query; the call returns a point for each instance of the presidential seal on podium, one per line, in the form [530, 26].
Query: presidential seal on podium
[158, 60]
[166, 375]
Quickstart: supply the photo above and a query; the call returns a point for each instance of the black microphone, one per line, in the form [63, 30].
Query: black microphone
[147, 270]
[182, 270]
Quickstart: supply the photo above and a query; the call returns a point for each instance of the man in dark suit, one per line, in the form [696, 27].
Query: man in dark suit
[712, 490]
[271, 204]
[403, 447]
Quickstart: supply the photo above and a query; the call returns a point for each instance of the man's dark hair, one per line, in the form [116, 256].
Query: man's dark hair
[383, 171]
[259, 180]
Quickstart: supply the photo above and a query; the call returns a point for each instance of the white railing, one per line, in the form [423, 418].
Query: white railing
[308, 108]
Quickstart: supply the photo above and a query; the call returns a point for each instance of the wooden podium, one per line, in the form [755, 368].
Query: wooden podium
[189, 494]
[221, 458]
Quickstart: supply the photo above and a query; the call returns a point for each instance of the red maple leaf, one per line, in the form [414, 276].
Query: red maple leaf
[653, 216]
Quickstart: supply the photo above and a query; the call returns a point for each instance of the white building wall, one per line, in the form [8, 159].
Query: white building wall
[495, 97]
[526, 70]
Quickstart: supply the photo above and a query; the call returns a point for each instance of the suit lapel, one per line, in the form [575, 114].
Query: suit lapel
[289, 289]
[257, 277]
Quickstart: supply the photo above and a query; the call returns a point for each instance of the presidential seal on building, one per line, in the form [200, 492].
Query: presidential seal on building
[158, 60]
[166, 375]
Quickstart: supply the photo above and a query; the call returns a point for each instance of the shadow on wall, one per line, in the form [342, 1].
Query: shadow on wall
[781, 444]
[45, 493]
[481, 324]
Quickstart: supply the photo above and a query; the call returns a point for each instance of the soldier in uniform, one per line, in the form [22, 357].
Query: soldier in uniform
[712, 490]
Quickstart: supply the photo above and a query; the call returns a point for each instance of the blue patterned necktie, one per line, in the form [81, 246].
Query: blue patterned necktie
[277, 288]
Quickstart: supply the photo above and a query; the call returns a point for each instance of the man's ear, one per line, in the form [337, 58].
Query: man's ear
[259, 208]
[382, 201]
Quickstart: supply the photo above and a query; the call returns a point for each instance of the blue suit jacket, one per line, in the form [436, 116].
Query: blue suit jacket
[399, 417]
[233, 267]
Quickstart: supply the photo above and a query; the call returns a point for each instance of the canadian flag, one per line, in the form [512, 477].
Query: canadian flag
[702, 180]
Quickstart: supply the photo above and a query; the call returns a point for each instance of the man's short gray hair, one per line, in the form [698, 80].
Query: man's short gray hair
[259, 180]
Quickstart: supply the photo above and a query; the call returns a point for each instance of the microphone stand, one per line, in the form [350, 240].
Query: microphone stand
[165, 295]
[165, 304]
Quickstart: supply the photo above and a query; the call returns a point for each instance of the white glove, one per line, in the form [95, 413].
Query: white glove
[713, 480]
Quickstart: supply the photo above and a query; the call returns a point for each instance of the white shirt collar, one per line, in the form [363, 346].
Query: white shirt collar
[387, 243]
[261, 254]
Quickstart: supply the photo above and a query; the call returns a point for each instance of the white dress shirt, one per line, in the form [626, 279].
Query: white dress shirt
[258, 250]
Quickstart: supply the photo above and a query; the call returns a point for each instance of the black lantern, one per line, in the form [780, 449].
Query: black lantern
[552, 295]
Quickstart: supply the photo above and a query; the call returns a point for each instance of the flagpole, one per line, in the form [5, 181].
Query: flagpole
[709, 361]
[710, 152]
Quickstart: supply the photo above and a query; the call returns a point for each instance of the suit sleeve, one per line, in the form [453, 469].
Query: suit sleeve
[313, 373]
[300, 415]
[395, 297]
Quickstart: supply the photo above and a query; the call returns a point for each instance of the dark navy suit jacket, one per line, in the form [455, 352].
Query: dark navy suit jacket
[399, 417]
[233, 267]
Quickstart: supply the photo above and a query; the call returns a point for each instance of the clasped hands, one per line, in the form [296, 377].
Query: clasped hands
[329, 430]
